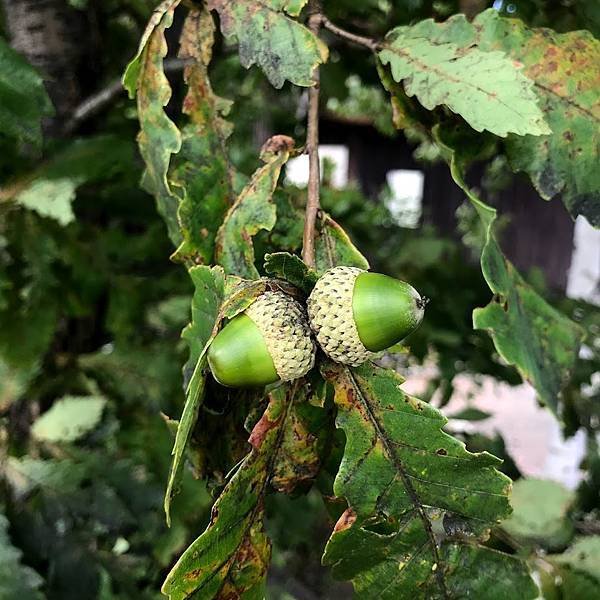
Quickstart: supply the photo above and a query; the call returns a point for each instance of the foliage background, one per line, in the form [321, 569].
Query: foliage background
[91, 312]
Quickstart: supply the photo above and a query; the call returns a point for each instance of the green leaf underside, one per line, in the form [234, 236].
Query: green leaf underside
[441, 65]
[23, 98]
[333, 247]
[159, 137]
[282, 47]
[202, 169]
[69, 419]
[564, 69]
[418, 500]
[16, 579]
[230, 558]
[540, 341]
[291, 268]
[253, 210]
[208, 296]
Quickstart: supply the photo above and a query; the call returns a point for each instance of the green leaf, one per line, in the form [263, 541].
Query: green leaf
[253, 210]
[284, 49]
[23, 98]
[441, 65]
[159, 137]
[528, 333]
[229, 560]
[51, 198]
[419, 502]
[291, 268]
[564, 69]
[69, 419]
[540, 512]
[583, 556]
[51, 189]
[202, 169]
[16, 579]
[364, 104]
[333, 247]
[26, 473]
[291, 7]
[208, 297]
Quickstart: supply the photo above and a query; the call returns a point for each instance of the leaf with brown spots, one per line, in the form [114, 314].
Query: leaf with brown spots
[282, 47]
[400, 489]
[159, 137]
[304, 440]
[253, 210]
[565, 69]
[230, 559]
[540, 341]
[202, 170]
[441, 64]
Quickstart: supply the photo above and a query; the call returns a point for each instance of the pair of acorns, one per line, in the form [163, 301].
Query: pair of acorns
[352, 313]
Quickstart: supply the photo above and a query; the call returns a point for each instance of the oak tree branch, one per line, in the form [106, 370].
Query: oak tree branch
[312, 147]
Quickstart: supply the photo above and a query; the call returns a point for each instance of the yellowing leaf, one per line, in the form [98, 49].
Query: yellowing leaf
[230, 559]
[441, 65]
[283, 48]
[202, 170]
[564, 69]
[159, 138]
[253, 210]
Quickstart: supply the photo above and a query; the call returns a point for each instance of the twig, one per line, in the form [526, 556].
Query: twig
[312, 147]
[361, 40]
[97, 102]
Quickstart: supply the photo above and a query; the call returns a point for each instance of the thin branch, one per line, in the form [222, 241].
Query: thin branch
[95, 103]
[312, 147]
[361, 40]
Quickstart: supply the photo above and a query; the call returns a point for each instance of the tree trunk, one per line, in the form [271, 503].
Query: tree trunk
[49, 34]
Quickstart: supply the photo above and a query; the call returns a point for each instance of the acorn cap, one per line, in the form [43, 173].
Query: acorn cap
[355, 313]
[271, 340]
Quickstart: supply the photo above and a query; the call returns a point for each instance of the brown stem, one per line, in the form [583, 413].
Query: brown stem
[312, 147]
[98, 101]
[361, 40]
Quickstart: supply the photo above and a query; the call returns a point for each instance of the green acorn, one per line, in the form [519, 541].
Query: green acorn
[354, 313]
[271, 340]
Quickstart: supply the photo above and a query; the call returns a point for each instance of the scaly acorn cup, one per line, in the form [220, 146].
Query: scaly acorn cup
[271, 340]
[354, 313]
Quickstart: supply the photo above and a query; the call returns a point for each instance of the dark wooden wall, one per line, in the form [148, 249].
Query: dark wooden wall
[538, 234]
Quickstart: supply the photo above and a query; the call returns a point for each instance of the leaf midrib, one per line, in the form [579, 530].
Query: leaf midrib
[399, 467]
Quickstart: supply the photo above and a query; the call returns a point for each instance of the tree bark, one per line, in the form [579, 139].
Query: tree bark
[49, 34]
